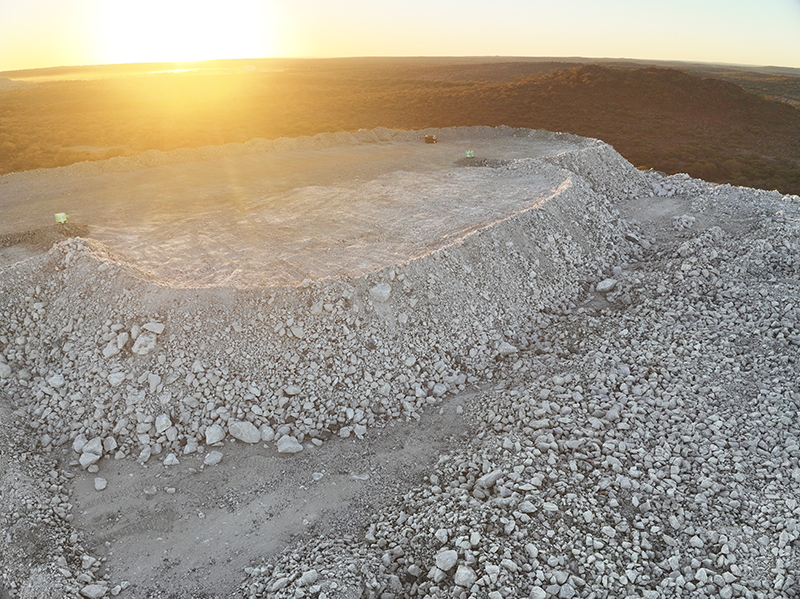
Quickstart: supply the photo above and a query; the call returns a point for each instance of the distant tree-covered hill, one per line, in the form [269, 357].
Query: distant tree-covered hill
[659, 118]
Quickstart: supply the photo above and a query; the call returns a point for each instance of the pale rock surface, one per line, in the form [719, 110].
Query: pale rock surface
[244, 431]
[506, 349]
[465, 576]
[289, 444]
[214, 434]
[145, 343]
[606, 285]
[163, 422]
[380, 292]
[154, 327]
[446, 560]
[115, 379]
[94, 591]
[56, 381]
[212, 458]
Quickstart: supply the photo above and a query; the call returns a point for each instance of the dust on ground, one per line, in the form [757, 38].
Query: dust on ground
[278, 218]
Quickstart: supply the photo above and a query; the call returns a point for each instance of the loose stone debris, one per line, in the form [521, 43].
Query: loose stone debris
[632, 382]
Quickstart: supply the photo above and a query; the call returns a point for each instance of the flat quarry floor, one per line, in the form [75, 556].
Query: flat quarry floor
[280, 217]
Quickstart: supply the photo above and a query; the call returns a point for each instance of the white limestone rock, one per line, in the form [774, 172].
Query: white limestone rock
[537, 592]
[487, 481]
[163, 422]
[606, 285]
[94, 591]
[214, 434]
[145, 343]
[506, 349]
[154, 327]
[465, 576]
[446, 560]
[308, 577]
[122, 339]
[111, 350]
[244, 431]
[145, 454]
[267, 433]
[56, 381]
[381, 292]
[212, 458]
[115, 379]
[94, 446]
[289, 444]
[79, 443]
[87, 459]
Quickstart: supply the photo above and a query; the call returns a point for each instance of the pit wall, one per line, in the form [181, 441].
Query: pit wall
[329, 358]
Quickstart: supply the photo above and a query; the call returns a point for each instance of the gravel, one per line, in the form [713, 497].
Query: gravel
[632, 388]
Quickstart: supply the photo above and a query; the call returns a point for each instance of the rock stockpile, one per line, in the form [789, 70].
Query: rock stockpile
[637, 429]
[648, 446]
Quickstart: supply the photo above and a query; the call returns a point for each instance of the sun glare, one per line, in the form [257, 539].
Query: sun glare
[185, 30]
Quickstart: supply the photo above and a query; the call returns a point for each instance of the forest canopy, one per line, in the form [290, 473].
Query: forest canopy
[660, 118]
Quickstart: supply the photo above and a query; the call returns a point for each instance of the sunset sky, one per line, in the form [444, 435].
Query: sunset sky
[41, 33]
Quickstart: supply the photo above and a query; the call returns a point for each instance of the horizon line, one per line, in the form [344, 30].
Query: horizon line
[409, 56]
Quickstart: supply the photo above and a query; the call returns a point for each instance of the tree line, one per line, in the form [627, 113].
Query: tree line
[656, 117]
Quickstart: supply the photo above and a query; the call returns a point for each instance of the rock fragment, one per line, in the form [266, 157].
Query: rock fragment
[606, 285]
[244, 431]
[154, 327]
[289, 444]
[506, 349]
[212, 458]
[214, 434]
[465, 576]
[446, 560]
[380, 292]
[145, 343]
[94, 591]
[292, 390]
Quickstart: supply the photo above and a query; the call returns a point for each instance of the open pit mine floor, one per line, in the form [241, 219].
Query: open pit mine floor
[362, 366]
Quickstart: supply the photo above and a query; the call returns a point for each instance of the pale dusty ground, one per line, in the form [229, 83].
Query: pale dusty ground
[251, 505]
[280, 217]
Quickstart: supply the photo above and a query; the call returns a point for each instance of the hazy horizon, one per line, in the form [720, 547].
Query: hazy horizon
[221, 64]
[46, 33]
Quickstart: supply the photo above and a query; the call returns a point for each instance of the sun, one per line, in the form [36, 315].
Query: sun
[185, 30]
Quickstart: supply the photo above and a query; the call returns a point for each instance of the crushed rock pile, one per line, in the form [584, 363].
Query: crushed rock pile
[649, 448]
[638, 421]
